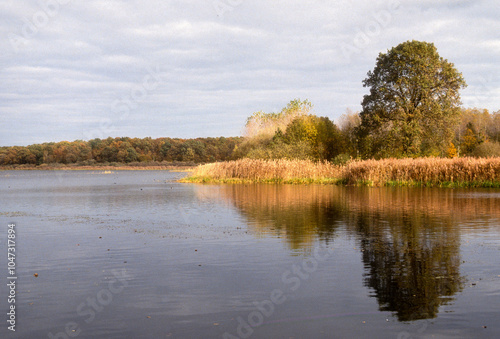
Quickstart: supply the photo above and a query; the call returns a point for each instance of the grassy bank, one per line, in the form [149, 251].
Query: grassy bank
[428, 172]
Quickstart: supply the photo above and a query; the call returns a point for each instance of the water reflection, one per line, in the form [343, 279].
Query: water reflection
[409, 238]
[412, 261]
[299, 214]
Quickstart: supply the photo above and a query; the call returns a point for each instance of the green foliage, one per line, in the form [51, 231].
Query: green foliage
[319, 132]
[349, 123]
[487, 149]
[342, 159]
[470, 141]
[476, 127]
[293, 133]
[413, 103]
[279, 150]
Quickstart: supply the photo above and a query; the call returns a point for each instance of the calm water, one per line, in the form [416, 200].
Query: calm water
[134, 254]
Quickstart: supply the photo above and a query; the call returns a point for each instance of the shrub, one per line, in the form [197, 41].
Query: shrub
[487, 149]
[341, 159]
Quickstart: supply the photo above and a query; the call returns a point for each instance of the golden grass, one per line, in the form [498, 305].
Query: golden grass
[424, 170]
[420, 171]
[265, 170]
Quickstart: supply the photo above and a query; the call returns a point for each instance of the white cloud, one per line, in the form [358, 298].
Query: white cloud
[257, 56]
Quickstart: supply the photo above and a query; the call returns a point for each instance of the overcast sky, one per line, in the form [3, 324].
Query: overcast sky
[73, 69]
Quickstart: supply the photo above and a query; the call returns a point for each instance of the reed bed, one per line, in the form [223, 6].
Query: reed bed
[477, 172]
[252, 170]
[426, 171]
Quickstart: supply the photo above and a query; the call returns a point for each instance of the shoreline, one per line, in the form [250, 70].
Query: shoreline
[419, 172]
[173, 167]
[342, 182]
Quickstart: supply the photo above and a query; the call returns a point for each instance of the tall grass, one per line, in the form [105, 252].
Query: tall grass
[420, 171]
[433, 171]
[257, 170]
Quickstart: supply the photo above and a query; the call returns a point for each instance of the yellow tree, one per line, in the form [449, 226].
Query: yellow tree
[266, 124]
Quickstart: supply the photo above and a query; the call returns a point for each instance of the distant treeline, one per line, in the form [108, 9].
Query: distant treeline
[122, 150]
[292, 133]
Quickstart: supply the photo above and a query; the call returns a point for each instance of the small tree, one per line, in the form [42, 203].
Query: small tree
[487, 149]
[319, 132]
[266, 124]
[413, 102]
[348, 124]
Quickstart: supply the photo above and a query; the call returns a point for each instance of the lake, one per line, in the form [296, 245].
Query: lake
[135, 254]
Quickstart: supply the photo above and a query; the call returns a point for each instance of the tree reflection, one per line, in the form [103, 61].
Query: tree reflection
[299, 214]
[412, 263]
[410, 246]
[409, 238]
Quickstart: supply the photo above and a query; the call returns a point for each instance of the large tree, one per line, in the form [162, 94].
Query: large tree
[413, 102]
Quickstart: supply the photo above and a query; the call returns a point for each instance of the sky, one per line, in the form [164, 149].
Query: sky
[78, 70]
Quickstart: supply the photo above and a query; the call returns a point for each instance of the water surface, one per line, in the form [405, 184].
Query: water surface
[136, 254]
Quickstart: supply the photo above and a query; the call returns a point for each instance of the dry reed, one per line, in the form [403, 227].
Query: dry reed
[425, 171]
[267, 170]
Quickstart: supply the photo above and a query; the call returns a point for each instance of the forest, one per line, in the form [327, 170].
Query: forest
[122, 150]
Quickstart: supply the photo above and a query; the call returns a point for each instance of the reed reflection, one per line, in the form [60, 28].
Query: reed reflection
[409, 237]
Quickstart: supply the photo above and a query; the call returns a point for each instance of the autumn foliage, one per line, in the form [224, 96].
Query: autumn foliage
[121, 150]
